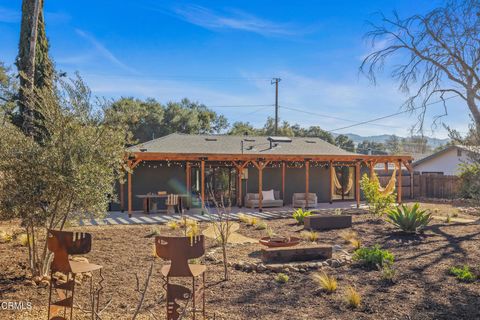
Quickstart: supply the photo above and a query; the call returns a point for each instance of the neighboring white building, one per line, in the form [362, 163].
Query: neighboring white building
[445, 161]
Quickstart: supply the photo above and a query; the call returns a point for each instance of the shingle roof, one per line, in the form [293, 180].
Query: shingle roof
[474, 149]
[176, 143]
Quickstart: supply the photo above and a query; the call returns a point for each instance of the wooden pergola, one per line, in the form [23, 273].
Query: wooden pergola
[260, 162]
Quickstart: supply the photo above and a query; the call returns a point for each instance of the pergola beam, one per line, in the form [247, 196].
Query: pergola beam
[153, 156]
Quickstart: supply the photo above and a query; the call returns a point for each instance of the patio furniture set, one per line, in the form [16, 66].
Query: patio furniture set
[173, 202]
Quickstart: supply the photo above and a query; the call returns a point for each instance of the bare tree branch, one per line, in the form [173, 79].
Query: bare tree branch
[439, 54]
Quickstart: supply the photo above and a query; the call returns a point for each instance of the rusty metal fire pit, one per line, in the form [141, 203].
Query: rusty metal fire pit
[276, 242]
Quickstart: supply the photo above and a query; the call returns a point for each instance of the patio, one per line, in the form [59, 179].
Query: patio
[138, 217]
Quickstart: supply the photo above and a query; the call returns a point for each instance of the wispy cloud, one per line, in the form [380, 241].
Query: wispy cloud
[234, 20]
[103, 51]
[9, 15]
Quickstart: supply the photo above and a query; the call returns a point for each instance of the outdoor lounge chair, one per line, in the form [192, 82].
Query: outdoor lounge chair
[252, 201]
[299, 200]
[179, 250]
[63, 244]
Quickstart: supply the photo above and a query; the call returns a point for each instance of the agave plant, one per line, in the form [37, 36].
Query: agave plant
[409, 219]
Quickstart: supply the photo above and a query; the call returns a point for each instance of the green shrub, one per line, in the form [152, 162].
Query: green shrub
[388, 273]
[282, 278]
[377, 202]
[409, 219]
[463, 273]
[470, 181]
[373, 256]
[261, 225]
[300, 215]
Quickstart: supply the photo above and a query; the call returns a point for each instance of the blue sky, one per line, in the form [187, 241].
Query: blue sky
[225, 53]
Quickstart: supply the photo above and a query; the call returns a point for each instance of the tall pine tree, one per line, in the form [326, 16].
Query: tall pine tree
[44, 69]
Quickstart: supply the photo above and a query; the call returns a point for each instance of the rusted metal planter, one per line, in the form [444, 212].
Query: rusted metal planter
[278, 242]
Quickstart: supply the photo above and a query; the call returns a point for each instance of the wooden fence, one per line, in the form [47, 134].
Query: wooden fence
[426, 185]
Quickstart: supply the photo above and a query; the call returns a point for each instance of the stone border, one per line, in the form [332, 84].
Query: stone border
[344, 259]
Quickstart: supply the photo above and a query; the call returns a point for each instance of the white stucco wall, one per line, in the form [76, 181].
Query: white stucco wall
[447, 162]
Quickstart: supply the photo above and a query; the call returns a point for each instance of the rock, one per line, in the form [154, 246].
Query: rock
[275, 267]
[37, 279]
[44, 284]
[30, 283]
[239, 265]
[302, 270]
[336, 247]
[335, 263]
[261, 267]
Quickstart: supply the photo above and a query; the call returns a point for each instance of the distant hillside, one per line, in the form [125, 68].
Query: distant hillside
[433, 142]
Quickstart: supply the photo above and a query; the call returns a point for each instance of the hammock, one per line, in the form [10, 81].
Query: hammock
[390, 187]
[338, 185]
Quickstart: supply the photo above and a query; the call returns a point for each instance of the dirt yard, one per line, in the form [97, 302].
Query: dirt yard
[422, 288]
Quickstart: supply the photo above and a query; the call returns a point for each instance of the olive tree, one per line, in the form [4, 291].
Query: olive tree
[64, 171]
[436, 55]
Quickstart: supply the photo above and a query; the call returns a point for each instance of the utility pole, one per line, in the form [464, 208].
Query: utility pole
[276, 81]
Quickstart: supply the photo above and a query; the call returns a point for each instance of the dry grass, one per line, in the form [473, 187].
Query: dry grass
[173, 225]
[5, 236]
[351, 237]
[311, 236]
[352, 297]
[328, 283]
[22, 239]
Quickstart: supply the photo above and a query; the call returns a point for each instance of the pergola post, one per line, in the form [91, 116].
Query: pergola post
[260, 166]
[307, 177]
[399, 178]
[332, 179]
[188, 181]
[357, 183]
[202, 188]
[371, 165]
[122, 196]
[260, 187]
[283, 181]
[239, 187]
[129, 178]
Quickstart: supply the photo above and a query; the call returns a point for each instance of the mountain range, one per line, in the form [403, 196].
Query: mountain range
[433, 142]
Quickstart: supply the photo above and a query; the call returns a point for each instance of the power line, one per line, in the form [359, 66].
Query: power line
[176, 77]
[234, 119]
[241, 106]
[326, 116]
[390, 115]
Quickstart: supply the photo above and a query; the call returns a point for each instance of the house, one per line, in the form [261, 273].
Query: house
[206, 167]
[446, 161]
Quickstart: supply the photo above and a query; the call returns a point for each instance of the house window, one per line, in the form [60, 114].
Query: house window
[459, 152]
